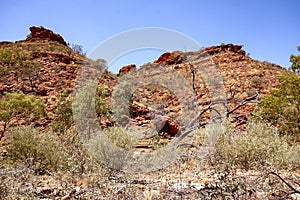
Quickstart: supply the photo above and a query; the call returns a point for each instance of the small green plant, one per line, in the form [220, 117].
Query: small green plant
[256, 81]
[156, 141]
[102, 106]
[64, 118]
[64, 115]
[18, 104]
[14, 56]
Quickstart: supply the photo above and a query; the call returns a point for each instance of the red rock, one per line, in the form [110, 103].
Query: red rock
[225, 47]
[42, 91]
[126, 69]
[170, 127]
[170, 58]
[66, 59]
[44, 34]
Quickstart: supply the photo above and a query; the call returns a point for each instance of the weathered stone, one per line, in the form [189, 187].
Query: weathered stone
[44, 34]
[126, 69]
[170, 127]
[170, 58]
[225, 47]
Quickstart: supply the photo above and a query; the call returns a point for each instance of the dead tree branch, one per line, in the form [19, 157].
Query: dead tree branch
[192, 125]
[294, 190]
[242, 103]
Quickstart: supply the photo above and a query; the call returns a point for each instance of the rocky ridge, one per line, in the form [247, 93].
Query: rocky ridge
[59, 64]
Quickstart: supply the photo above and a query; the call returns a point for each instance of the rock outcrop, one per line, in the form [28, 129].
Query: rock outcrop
[126, 69]
[225, 48]
[44, 34]
[170, 58]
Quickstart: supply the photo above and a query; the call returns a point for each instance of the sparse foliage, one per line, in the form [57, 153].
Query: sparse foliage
[38, 153]
[295, 60]
[282, 106]
[18, 58]
[102, 106]
[17, 103]
[78, 49]
[260, 146]
[47, 152]
[64, 118]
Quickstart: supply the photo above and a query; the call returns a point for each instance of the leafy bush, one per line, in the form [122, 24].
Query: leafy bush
[13, 56]
[261, 145]
[282, 106]
[17, 103]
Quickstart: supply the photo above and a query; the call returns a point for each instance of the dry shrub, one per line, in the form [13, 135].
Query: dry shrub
[48, 152]
[260, 145]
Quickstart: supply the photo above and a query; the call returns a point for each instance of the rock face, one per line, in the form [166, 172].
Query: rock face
[44, 34]
[170, 127]
[126, 69]
[225, 48]
[170, 58]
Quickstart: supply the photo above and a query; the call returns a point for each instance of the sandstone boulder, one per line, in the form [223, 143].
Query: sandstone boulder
[170, 58]
[44, 34]
[126, 69]
[225, 48]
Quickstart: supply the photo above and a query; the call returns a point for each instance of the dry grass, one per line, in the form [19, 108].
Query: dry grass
[70, 172]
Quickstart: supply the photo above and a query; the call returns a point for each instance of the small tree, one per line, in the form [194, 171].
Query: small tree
[282, 106]
[78, 49]
[64, 119]
[17, 103]
[295, 60]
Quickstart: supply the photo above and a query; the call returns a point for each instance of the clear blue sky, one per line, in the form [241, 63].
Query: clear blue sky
[269, 30]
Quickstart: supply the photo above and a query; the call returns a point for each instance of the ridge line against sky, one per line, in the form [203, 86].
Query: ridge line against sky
[269, 30]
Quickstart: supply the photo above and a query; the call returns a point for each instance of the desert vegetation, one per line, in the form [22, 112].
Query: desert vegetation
[255, 154]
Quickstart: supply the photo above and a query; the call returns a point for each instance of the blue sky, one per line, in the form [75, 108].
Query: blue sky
[269, 30]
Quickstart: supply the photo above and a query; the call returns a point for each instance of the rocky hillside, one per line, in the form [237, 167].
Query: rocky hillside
[56, 67]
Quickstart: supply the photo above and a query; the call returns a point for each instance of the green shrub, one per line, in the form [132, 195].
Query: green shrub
[256, 81]
[102, 107]
[16, 57]
[12, 56]
[282, 106]
[261, 145]
[111, 147]
[17, 103]
[64, 118]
